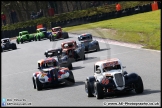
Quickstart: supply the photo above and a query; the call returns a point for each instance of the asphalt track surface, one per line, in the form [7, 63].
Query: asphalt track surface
[19, 65]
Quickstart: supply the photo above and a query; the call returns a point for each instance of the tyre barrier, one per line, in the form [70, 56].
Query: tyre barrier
[137, 10]
[124, 12]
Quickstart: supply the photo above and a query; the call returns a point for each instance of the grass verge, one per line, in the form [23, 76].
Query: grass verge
[143, 28]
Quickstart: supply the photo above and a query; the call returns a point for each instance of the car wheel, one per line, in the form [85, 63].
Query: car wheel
[39, 38]
[22, 41]
[14, 46]
[29, 40]
[88, 89]
[34, 83]
[53, 38]
[83, 57]
[98, 90]
[17, 41]
[70, 80]
[70, 66]
[98, 48]
[67, 35]
[35, 38]
[139, 86]
[38, 84]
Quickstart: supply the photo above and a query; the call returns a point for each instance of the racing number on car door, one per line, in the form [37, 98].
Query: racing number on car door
[105, 81]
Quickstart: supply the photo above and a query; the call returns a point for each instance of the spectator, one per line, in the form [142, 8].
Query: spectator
[118, 7]
[41, 13]
[3, 18]
[13, 16]
[33, 15]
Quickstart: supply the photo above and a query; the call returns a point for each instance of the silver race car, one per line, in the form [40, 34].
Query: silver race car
[86, 41]
[57, 55]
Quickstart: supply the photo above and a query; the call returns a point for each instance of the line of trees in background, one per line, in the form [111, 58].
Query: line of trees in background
[25, 8]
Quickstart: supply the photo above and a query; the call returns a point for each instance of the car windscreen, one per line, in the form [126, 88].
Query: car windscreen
[116, 67]
[68, 45]
[56, 29]
[42, 30]
[51, 64]
[24, 33]
[85, 37]
[6, 40]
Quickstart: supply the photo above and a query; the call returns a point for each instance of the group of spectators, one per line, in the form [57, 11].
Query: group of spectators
[36, 15]
[12, 15]
[14, 19]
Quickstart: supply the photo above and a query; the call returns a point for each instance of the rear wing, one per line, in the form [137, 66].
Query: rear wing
[53, 52]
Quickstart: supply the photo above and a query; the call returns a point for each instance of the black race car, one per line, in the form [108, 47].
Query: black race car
[6, 44]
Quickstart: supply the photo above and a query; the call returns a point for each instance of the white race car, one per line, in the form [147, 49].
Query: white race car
[109, 77]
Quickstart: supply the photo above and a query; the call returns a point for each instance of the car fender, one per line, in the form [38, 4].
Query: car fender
[31, 36]
[43, 78]
[131, 78]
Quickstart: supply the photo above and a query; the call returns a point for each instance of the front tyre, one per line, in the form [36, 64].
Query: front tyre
[39, 38]
[98, 90]
[38, 84]
[17, 41]
[35, 38]
[83, 58]
[98, 48]
[88, 89]
[22, 41]
[70, 80]
[70, 66]
[34, 83]
[139, 86]
[14, 46]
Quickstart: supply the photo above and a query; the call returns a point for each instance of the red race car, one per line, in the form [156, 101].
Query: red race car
[57, 33]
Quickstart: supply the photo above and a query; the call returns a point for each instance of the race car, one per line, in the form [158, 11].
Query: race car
[24, 36]
[57, 33]
[71, 51]
[110, 77]
[88, 43]
[41, 34]
[56, 54]
[6, 44]
[52, 76]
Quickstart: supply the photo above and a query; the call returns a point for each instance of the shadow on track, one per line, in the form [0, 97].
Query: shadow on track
[130, 94]
[77, 67]
[10, 50]
[97, 51]
[60, 86]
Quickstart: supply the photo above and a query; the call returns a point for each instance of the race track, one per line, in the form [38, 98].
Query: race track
[19, 65]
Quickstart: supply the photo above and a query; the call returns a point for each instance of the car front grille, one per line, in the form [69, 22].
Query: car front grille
[119, 79]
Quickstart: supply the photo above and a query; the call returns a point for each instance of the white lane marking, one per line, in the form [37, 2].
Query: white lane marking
[19, 72]
[130, 45]
[113, 42]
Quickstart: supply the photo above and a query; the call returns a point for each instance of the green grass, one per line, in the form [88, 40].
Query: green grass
[143, 28]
